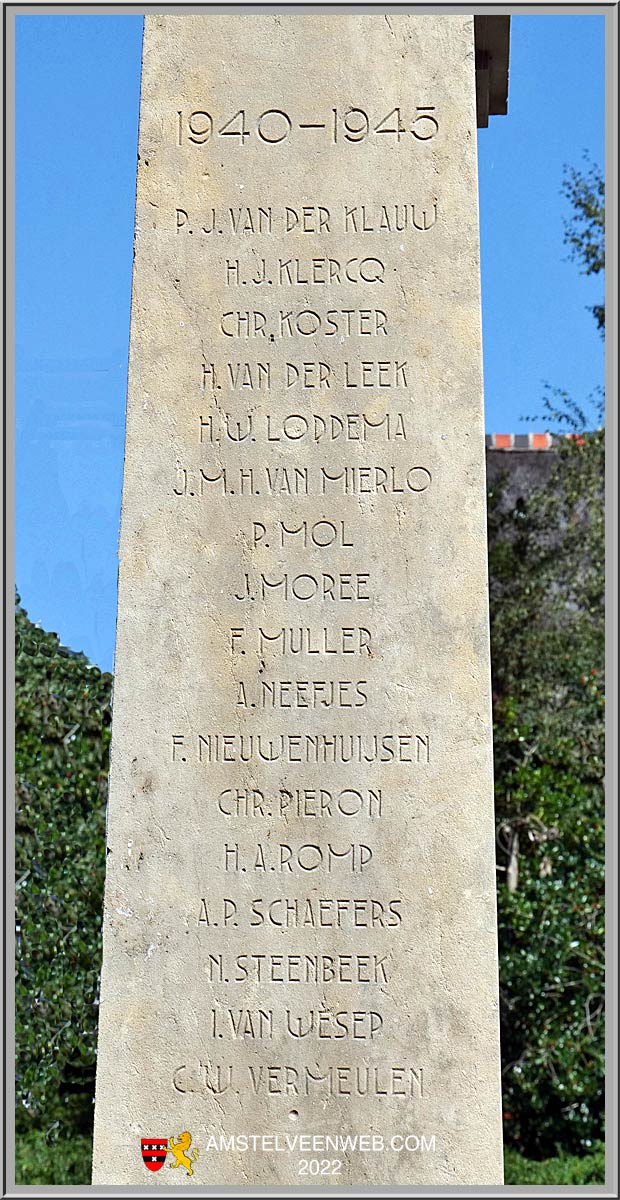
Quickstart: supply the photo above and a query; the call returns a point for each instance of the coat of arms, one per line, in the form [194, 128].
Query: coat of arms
[154, 1152]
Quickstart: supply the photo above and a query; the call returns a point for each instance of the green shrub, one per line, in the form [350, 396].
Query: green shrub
[563, 1171]
[62, 735]
[46, 1163]
[547, 652]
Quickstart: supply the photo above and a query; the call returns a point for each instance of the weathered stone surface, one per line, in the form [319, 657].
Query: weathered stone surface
[299, 933]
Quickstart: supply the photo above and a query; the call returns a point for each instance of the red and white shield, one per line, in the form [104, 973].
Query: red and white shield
[154, 1152]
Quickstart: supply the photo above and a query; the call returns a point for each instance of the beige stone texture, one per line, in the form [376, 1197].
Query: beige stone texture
[299, 929]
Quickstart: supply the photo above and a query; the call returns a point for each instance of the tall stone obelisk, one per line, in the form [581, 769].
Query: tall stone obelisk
[300, 963]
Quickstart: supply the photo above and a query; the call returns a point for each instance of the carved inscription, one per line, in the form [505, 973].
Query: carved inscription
[275, 126]
[274, 537]
[284, 545]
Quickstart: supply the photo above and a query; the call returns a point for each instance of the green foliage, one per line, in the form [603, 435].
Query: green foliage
[584, 231]
[62, 735]
[546, 570]
[44, 1163]
[565, 1171]
[547, 639]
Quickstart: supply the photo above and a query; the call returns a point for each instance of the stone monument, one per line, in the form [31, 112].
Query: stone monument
[300, 968]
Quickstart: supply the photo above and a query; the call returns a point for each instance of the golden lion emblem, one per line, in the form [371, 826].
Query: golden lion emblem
[180, 1149]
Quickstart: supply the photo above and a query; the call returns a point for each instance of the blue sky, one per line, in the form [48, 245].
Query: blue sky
[77, 95]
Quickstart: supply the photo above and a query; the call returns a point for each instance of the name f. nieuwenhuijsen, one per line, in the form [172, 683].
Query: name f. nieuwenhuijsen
[301, 748]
